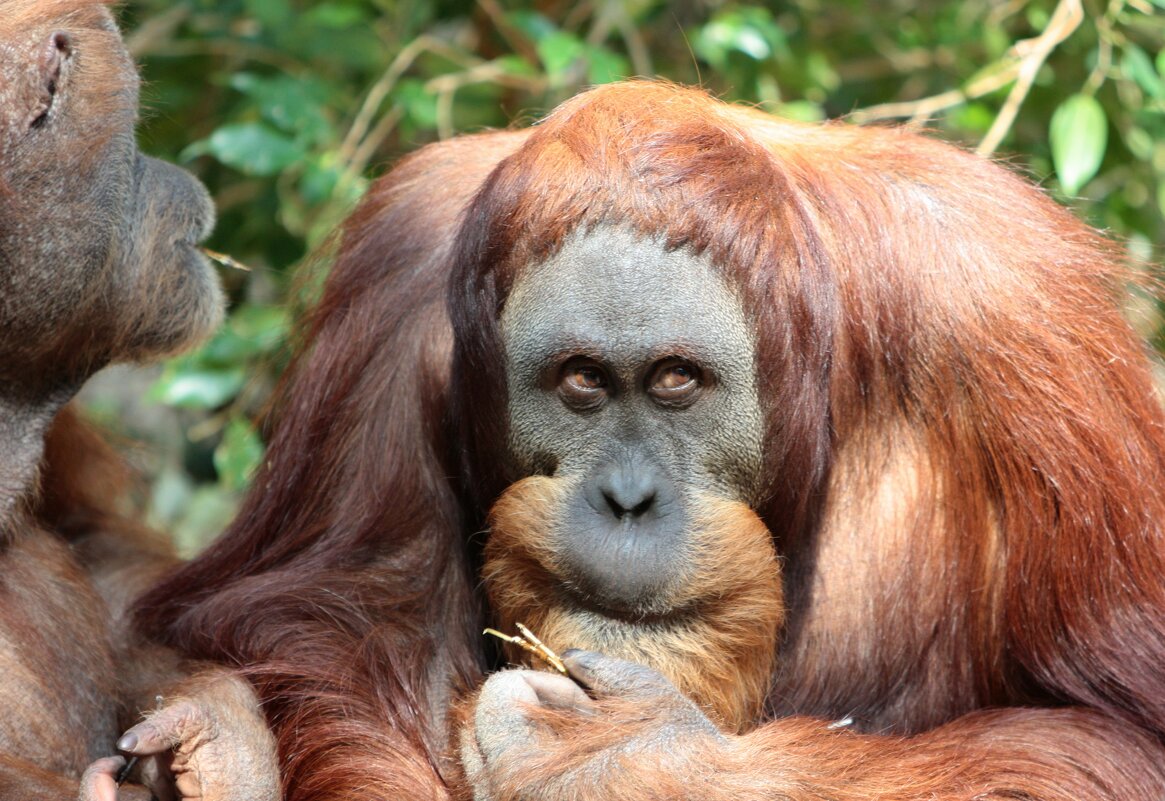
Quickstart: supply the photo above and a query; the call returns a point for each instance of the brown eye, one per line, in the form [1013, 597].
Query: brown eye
[675, 382]
[583, 384]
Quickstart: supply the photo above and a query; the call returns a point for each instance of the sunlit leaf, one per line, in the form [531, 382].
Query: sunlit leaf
[750, 30]
[197, 387]
[254, 148]
[1078, 137]
[559, 51]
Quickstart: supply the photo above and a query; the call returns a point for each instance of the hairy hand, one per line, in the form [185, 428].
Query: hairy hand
[209, 742]
[619, 729]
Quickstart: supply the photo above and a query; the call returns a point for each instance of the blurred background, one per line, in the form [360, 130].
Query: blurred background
[286, 109]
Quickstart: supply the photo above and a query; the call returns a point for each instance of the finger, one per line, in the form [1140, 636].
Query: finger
[558, 692]
[604, 675]
[500, 722]
[163, 730]
[99, 781]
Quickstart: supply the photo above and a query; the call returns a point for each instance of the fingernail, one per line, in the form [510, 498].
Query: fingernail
[128, 742]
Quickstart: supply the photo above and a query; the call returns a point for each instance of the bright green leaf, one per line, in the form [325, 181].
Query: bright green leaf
[605, 66]
[558, 53]
[194, 387]
[750, 30]
[1136, 65]
[238, 455]
[1078, 138]
[420, 105]
[254, 148]
[820, 72]
[974, 118]
[252, 330]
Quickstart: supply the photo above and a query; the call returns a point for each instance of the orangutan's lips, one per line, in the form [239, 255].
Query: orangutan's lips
[670, 617]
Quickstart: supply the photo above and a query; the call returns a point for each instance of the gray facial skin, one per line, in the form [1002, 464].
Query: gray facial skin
[98, 256]
[624, 308]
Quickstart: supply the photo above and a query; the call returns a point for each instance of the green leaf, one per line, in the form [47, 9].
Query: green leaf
[319, 180]
[196, 387]
[252, 330]
[1136, 65]
[419, 104]
[271, 13]
[295, 105]
[1078, 138]
[605, 66]
[254, 148]
[558, 53]
[1139, 142]
[975, 118]
[335, 15]
[515, 65]
[238, 455]
[750, 30]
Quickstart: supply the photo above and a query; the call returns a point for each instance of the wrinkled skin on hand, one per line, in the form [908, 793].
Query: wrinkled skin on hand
[208, 742]
[618, 729]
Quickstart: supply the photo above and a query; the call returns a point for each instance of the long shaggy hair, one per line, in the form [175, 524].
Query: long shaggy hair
[964, 448]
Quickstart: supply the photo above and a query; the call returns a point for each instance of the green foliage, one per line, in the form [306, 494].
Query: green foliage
[1078, 137]
[288, 108]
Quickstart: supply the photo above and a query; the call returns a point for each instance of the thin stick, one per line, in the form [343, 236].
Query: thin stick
[225, 260]
[1065, 19]
[528, 642]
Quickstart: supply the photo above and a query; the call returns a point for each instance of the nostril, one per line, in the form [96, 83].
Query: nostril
[614, 506]
[622, 508]
[643, 506]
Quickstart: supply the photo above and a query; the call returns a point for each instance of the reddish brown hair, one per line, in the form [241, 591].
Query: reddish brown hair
[963, 438]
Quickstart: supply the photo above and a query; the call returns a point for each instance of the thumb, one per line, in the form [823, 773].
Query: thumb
[604, 675]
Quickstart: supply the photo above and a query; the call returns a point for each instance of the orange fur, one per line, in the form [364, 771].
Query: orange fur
[720, 646]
